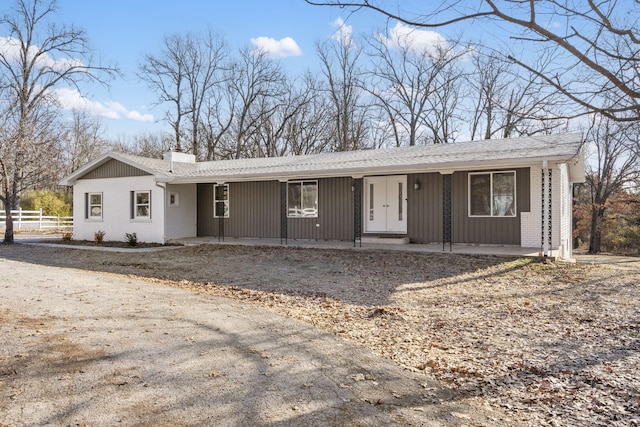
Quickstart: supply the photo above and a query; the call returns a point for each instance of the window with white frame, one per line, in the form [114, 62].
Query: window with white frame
[93, 208]
[492, 194]
[302, 199]
[141, 204]
[221, 201]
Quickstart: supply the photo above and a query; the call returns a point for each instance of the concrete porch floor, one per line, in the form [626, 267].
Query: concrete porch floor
[515, 251]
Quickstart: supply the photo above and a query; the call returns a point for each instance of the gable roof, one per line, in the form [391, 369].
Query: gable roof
[162, 170]
[446, 158]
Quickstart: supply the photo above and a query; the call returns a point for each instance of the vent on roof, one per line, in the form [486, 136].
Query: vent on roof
[173, 156]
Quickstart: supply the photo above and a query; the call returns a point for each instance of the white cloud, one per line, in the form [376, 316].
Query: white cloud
[343, 32]
[419, 41]
[282, 48]
[139, 117]
[10, 48]
[72, 99]
[129, 114]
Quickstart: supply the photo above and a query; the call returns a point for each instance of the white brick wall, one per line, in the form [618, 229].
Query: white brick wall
[116, 219]
[182, 219]
[530, 221]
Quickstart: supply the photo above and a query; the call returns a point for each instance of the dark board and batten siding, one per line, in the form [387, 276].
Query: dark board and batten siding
[114, 169]
[335, 213]
[254, 211]
[204, 212]
[496, 231]
[425, 207]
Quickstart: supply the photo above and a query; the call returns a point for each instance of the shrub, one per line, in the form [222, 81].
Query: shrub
[51, 202]
[66, 237]
[131, 239]
[98, 236]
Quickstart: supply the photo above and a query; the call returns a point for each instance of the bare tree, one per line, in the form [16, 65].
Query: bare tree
[443, 119]
[30, 159]
[152, 145]
[274, 136]
[166, 75]
[340, 65]
[216, 121]
[36, 57]
[487, 84]
[592, 38]
[308, 131]
[82, 140]
[416, 85]
[383, 129]
[205, 59]
[509, 102]
[255, 80]
[615, 165]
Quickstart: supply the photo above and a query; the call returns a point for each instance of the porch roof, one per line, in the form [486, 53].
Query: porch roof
[445, 158]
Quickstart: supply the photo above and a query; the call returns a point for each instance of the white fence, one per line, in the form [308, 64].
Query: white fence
[34, 220]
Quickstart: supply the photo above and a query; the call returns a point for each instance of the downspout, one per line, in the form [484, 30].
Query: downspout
[163, 186]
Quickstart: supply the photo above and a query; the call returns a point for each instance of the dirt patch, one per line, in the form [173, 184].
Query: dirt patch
[114, 350]
[40, 347]
[537, 342]
[37, 352]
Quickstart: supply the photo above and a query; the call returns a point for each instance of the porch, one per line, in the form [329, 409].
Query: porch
[499, 250]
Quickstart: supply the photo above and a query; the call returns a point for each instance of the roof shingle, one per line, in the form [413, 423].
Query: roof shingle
[424, 158]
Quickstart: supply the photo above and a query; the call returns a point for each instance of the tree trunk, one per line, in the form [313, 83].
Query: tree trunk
[596, 233]
[8, 230]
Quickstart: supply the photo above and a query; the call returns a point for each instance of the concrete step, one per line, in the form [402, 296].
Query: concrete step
[385, 240]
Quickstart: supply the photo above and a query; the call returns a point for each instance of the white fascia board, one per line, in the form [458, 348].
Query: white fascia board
[444, 168]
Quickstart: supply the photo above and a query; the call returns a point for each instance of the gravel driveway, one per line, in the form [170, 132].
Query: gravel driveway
[86, 348]
[193, 336]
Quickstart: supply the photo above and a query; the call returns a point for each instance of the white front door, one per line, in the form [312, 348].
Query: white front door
[385, 204]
